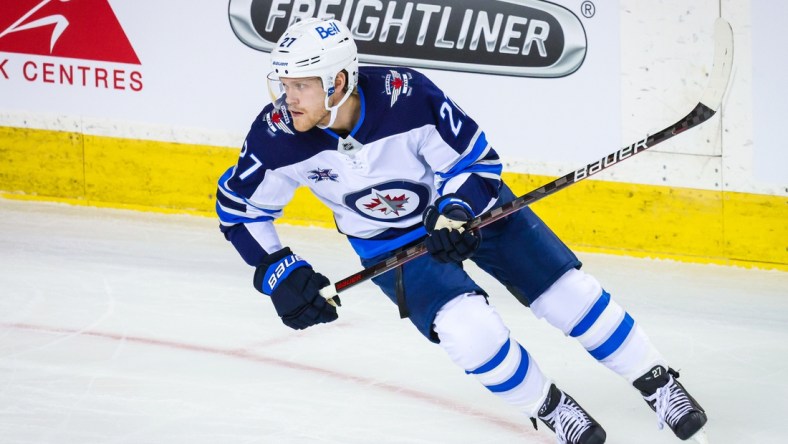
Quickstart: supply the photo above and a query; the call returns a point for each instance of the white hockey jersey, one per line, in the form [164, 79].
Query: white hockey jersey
[411, 144]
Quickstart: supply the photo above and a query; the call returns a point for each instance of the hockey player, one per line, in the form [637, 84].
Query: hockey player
[396, 160]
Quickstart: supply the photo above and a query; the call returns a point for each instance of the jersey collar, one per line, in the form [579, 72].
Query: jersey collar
[360, 119]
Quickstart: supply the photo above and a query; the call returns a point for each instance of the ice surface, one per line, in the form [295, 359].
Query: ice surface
[126, 327]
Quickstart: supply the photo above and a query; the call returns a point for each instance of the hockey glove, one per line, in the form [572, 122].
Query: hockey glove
[449, 240]
[294, 289]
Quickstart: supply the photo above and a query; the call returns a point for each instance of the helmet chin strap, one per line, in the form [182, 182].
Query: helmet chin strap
[333, 109]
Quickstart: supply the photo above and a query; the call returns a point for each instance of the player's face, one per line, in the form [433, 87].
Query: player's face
[306, 102]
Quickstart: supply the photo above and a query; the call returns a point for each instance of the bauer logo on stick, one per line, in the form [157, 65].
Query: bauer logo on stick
[610, 159]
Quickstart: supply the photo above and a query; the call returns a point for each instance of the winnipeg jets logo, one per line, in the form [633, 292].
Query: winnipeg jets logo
[319, 175]
[60, 22]
[387, 204]
[278, 120]
[398, 84]
[393, 201]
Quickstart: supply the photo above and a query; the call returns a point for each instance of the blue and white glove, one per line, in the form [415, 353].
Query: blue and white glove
[294, 288]
[449, 240]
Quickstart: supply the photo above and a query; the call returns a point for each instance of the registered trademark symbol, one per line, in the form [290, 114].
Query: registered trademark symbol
[588, 9]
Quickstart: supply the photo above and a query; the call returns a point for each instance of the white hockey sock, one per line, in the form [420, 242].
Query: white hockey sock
[514, 376]
[476, 339]
[578, 305]
[613, 338]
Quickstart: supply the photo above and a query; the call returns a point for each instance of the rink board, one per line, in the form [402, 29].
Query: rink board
[624, 218]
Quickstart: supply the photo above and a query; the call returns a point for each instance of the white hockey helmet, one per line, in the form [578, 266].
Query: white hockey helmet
[314, 48]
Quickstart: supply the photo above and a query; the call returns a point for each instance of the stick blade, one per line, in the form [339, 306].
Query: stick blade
[723, 63]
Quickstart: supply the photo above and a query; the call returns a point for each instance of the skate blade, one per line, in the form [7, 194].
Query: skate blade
[700, 436]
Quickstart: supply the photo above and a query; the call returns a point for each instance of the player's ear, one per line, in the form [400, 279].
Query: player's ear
[340, 81]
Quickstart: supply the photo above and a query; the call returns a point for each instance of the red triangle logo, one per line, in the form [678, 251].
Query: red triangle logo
[78, 29]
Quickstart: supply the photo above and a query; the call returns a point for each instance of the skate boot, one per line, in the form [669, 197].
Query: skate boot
[571, 424]
[674, 406]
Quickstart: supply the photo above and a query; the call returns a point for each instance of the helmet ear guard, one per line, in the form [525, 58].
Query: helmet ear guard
[314, 48]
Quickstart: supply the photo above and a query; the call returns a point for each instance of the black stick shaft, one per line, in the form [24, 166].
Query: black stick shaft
[698, 115]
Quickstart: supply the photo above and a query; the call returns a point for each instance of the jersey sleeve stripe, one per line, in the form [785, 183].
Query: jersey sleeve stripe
[454, 185]
[479, 150]
[227, 201]
[230, 217]
[231, 201]
[480, 168]
[488, 171]
[233, 209]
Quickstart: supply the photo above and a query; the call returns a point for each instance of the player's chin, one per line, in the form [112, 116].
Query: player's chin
[302, 125]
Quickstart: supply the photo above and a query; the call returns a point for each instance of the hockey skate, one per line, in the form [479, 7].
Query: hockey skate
[674, 406]
[571, 424]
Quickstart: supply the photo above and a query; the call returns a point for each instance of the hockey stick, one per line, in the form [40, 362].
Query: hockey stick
[707, 106]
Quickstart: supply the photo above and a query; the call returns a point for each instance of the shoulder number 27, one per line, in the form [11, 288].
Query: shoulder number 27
[447, 111]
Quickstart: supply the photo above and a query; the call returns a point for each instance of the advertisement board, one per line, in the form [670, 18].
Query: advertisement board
[770, 104]
[145, 103]
[541, 77]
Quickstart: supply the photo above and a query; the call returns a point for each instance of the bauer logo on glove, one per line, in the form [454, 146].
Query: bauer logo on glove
[280, 270]
[294, 288]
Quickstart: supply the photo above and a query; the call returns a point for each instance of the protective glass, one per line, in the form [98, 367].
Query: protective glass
[276, 90]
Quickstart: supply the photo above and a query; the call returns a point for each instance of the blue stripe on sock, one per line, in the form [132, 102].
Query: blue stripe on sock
[517, 378]
[494, 362]
[615, 340]
[592, 315]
